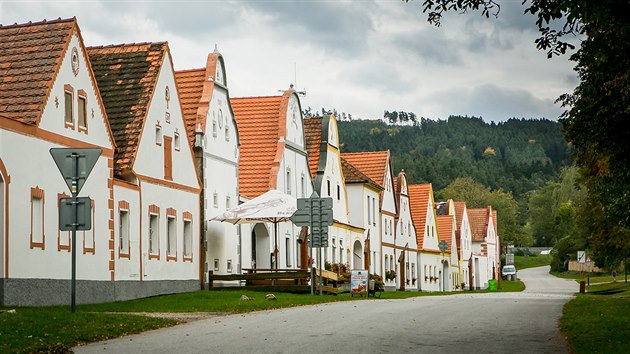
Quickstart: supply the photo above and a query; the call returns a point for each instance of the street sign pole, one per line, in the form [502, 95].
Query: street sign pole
[310, 245]
[75, 213]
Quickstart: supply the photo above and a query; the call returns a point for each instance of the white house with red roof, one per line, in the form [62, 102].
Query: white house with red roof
[446, 232]
[49, 99]
[405, 239]
[377, 166]
[212, 131]
[272, 156]
[155, 186]
[464, 240]
[346, 240]
[484, 245]
[364, 197]
[431, 263]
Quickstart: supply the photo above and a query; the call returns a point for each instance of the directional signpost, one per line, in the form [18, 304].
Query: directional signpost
[316, 213]
[75, 166]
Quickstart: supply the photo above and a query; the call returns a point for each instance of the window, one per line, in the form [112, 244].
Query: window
[229, 266]
[123, 233]
[228, 202]
[215, 199]
[288, 181]
[369, 216]
[63, 237]
[287, 245]
[37, 218]
[216, 264]
[158, 134]
[82, 112]
[374, 211]
[167, 117]
[214, 125]
[340, 251]
[154, 244]
[227, 131]
[176, 141]
[68, 100]
[171, 237]
[328, 187]
[338, 192]
[187, 238]
[302, 186]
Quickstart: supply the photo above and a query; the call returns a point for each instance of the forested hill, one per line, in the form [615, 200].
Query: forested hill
[518, 155]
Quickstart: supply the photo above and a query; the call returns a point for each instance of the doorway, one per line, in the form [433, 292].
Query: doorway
[357, 255]
[261, 251]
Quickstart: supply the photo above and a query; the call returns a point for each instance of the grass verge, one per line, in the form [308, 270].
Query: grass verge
[597, 321]
[522, 262]
[56, 330]
[594, 277]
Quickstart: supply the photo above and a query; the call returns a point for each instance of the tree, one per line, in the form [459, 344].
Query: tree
[598, 110]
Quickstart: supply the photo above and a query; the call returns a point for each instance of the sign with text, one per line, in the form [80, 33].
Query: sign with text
[358, 281]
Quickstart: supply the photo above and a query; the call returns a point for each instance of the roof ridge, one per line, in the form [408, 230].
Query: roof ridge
[43, 22]
[136, 44]
[190, 70]
[366, 152]
[243, 97]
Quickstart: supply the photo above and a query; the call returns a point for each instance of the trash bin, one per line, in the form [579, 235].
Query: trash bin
[492, 285]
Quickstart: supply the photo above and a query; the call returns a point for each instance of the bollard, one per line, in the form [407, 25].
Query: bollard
[582, 287]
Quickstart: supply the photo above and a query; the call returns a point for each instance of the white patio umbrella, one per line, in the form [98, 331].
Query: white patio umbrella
[273, 206]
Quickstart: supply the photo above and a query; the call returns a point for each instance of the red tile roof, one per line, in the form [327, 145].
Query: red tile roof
[30, 57]
[419, 195]
[352, 174]
[478, 220]
[313, 137]
[372, 163]
[445, 230]
[459, 214]
[190, 85]
[126, 76]
[261, 122]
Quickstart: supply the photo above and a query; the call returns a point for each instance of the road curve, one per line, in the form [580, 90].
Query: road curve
[525, 322]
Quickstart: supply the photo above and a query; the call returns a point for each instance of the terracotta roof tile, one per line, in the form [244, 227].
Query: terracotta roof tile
[30, 55]
[478, 220]
[419, 195]
[190, 87]
[260, 125]
[354, 175]
[126, 76]
[445, 230]
[313, 136]
[373, 164]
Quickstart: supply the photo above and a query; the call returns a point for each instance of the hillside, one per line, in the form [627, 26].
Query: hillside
[518, 155]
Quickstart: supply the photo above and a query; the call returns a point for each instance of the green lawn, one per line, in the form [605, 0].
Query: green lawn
[55, 329]
[594, 277]
[522, 262]
[597, 321]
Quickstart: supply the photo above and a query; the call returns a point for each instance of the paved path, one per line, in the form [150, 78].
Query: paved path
[486, 323]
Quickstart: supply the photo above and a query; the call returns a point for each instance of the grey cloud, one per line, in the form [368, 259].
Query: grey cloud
[496, 103]
[429, 46]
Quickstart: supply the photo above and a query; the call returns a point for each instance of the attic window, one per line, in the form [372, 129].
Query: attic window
[176, 141]
[158, 134]
[68, 98]
[82, 111]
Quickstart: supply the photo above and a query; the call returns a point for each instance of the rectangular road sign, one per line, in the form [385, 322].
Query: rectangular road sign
[66, 214]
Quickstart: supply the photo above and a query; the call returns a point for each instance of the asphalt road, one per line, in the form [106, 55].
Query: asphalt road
[525, 322]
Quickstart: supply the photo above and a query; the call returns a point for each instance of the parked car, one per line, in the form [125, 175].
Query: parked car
[508, 272]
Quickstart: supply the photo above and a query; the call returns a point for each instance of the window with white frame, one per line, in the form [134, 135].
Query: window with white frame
[37, 218]
[229, 266]
[176, 142]
[288, 181]
[303, 186]
[215, 199]
[171, 235]
[68, 106]
[123, 232]
[228, 202]
[287, 245]
[158, 134]
[187, 238]
[216, 264]
[154, 248]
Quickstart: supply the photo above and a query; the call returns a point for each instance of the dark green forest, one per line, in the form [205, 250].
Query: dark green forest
[517, 156]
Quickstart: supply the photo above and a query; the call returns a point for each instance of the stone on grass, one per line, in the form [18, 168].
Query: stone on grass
[270, 297]
[245, 298]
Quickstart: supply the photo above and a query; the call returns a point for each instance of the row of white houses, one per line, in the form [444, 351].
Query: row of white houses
[177, 150]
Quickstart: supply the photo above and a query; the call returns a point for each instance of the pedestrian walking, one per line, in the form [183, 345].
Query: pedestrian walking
[614, 276]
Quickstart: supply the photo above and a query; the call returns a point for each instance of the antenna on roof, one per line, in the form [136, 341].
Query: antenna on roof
[303, 92]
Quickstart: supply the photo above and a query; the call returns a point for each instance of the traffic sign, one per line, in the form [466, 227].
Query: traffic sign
[84, 214]
[85, 159]
[581, 257]
[443, 245]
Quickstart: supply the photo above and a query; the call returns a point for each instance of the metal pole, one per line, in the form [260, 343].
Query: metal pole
[310, 245]
[319, 260]
[75, 220]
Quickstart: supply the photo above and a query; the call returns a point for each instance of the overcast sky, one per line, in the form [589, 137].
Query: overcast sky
[359, 57]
